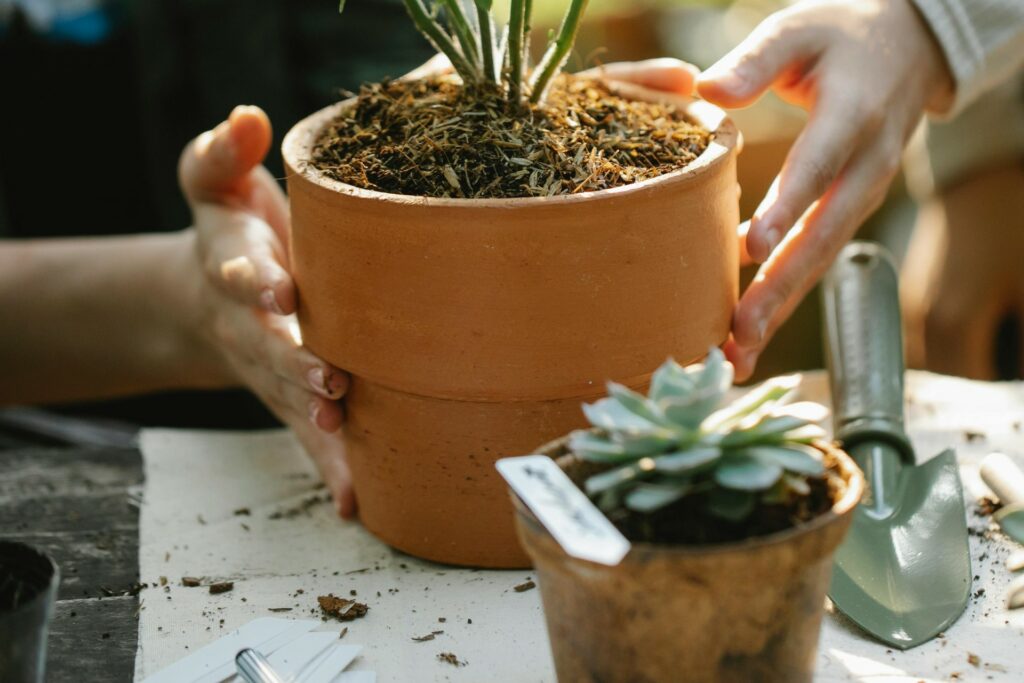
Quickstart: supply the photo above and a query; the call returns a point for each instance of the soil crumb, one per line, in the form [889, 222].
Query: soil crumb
[525, 586]
[340, 608]
[434, 138]
[450, 658]
[222, 587]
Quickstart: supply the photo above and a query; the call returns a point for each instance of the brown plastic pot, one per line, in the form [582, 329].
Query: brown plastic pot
[747, 612]
[474, 328]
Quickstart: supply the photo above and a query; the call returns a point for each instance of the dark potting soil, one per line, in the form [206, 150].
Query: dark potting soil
[435, 138]
[689, 523]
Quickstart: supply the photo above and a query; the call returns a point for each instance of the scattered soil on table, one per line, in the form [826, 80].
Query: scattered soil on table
[429, 636]
[435, 138]
[688, 521]
[523, 587]
[450, 658]
[987, 506]
[221, 587]
[191, 582]
[341, 608]
[242, 512]
[971, 436]
[302, 509]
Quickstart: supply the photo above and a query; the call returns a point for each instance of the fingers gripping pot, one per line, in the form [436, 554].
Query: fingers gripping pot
[473, 329]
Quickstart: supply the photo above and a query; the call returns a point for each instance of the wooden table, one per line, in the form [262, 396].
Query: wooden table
[70, 492]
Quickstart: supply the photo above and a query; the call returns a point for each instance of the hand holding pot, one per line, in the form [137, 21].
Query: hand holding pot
[246, 301]
[866, 71]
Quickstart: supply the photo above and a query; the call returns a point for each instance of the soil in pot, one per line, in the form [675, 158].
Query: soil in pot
[435, 138]
[696, 610]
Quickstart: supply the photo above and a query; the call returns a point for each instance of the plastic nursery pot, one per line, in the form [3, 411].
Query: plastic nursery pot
[474, 328]
[28, 587]
[746, 612]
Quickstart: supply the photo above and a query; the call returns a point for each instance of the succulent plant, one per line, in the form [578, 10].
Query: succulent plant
[681, 440]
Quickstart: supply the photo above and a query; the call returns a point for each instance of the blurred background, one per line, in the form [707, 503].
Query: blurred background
[100, 96]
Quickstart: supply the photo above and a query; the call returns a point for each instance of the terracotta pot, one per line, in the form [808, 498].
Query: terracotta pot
[474, 328]
[745, 612]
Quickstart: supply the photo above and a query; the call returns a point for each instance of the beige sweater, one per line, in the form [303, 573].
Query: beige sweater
[983, 41]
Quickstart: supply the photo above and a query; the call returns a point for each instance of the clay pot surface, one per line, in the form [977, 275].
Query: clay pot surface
[747, 612]
[500, 317]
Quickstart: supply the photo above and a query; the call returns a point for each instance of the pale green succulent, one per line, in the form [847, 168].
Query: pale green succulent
[680, 440]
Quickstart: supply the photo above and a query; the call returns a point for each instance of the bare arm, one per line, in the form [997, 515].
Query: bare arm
[100, 317]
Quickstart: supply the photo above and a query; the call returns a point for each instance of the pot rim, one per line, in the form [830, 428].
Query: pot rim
[851, 496]
[298, 143]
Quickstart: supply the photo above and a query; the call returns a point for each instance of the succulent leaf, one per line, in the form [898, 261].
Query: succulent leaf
[636, 403]
[687, 461]
[742, 472]
[648, 497]
[731, 505]
[595, 448]
[614, 478]
[610, 415]
[795, 458]
[641, 443]
[766, 430]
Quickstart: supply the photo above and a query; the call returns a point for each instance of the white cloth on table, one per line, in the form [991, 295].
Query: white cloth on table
[197, 482]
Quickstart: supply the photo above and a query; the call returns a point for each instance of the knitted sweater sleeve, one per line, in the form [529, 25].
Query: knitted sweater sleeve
[983, 41]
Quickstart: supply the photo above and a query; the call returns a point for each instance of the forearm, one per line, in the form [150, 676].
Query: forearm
[100, 317]
[983, 41]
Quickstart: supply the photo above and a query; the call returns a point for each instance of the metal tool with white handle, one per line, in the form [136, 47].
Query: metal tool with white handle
[904, 572]
[254, 667]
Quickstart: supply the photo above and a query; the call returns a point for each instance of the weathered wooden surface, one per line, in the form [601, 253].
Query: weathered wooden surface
[77, 504]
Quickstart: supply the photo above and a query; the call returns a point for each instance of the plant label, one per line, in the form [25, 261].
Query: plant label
[563, 509]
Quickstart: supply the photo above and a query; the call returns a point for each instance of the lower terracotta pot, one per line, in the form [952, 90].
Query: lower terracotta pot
[747, 612]
[430, 488]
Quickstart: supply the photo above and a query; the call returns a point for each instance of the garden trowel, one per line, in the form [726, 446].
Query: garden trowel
[904, 572]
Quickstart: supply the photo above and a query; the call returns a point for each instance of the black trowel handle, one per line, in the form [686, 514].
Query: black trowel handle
[864, 346]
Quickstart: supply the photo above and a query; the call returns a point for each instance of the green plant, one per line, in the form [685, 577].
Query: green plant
[679, 441]
[466, 32]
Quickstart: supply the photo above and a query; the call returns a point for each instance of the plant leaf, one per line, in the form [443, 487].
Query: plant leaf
[769, 429]
[595, 448]
[743, 472]
[791, 457]
[636, 403]
[609, 414]
[647, 497]
[341, 6]
[671, 379]
[599, 483]
[734, 506]
[797, 485]
[688, 461]
[485, 5]
[755, 403]
[644, 442]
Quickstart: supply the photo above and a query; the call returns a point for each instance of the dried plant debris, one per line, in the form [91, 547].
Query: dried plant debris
[341, 608]
[191, 582]
[525, 586]
[429, 636]
[435, 138]
[221, 587]
[450, 658]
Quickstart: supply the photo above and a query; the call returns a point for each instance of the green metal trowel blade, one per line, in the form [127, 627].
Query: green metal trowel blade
[904, 571]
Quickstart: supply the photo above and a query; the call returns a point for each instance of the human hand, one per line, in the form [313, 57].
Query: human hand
[866, 70]
[245, 299]
[962, 276]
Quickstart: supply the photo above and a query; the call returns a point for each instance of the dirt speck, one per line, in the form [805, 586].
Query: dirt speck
[450, 658]
[221, 587]
[340, 608]
[525, 586]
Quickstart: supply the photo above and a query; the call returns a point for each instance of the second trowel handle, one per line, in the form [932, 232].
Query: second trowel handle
[864, 345]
